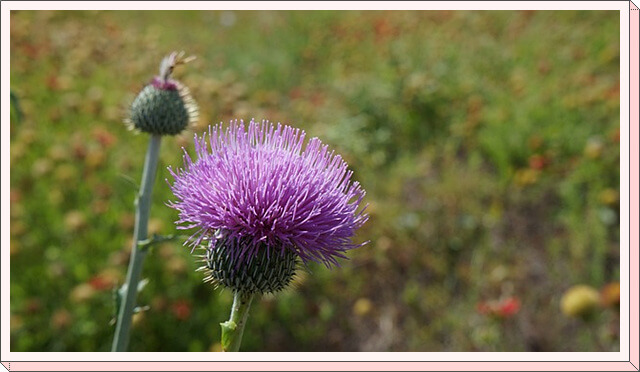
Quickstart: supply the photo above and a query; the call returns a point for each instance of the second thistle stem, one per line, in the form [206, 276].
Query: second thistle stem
[233, 328]
[138, 253]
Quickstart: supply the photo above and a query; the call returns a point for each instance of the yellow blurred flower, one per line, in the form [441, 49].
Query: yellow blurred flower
[176, 265]
[95, 159]
[580, 301]
[155, 226]
[65, 173]
[593, 148]
[216, 348]
[608, 196]
[362, 307]
[82, 292]
[384, 243]
[74, 220]
[526, 177]
[14, 247]
[137, 318]
[15, 322]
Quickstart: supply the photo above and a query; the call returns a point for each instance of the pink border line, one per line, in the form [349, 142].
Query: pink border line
[321, 366]
[634, 346]
[634, 215]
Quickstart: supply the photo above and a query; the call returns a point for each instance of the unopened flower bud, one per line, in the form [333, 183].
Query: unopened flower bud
[164, 106]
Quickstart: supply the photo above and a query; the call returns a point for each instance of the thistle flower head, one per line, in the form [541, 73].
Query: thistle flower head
[164, 106]
[261, 201]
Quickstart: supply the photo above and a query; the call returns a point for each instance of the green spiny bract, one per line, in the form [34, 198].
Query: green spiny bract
[164, 106]
[160, 111]
[268, 271]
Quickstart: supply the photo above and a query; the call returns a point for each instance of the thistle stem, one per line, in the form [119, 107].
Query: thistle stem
[233, 328]
[138, 252]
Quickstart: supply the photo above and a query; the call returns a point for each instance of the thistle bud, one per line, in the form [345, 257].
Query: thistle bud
[164, 106]
[266, 271]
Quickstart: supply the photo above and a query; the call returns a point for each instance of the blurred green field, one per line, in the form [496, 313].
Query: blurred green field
[487, 141]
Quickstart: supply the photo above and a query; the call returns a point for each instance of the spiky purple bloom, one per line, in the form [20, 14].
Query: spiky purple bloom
[260, 189]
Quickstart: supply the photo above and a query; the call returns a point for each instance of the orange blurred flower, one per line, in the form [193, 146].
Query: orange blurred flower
[105, 280]
[615, 137]
[61, 319]
[610, 295]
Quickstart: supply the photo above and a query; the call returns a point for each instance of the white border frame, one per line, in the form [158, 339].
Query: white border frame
[623, 355]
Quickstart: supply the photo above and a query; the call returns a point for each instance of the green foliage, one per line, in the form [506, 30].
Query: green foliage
[488, 143]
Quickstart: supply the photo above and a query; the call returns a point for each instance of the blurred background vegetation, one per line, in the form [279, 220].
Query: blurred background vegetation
[488, 143]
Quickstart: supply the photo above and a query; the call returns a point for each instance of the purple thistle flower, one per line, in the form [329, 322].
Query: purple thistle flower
[257, 190]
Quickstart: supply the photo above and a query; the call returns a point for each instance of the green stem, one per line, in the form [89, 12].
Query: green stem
[143, 204]
[233, 328]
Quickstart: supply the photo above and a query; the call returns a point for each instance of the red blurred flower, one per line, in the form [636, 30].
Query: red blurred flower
[100, 283]
[537, 161]
[295, 93]
[504, 308]
[33, 306]
[79, 150]
[508, 307]
[52, 82]
[483, 308]
[383, 29]
[103, 137]
[181, 309]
